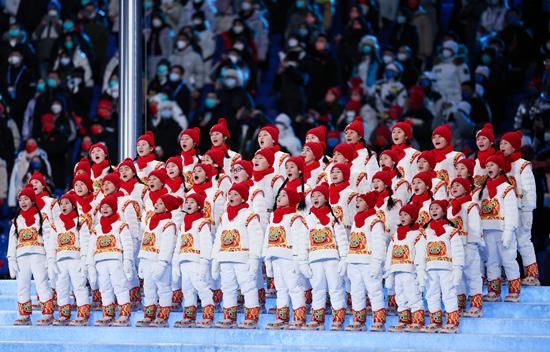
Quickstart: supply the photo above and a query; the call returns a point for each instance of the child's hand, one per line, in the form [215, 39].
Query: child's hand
[13, 267]
[215, 270]
[342, 267]
[128, 268]
[268, 268]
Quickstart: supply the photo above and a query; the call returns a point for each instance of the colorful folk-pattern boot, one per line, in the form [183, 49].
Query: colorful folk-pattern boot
[317, 320]
[25, 311]
[124, 318]
[177, 298]
[64, 315]
[229, 318]
[453, 319]
[379, 320]
[271, 290]
[96, 300]
[82, 316]
[207, 317]
[298, 319]
[359, 320]
[494, 288]
[404, 319]
[108, 315]
[392, 305]
[531, 275]
[189, 318]
[308, 295]
[262, 300]
[135, 298]
[476, 304]
[162, 317]
[338, 316]
[282, 316]
[436, 320]
[417, 321]
[217, 296]
[514, 288]
[149, 314]
[461, 302]
[48, 308]
[251, 317]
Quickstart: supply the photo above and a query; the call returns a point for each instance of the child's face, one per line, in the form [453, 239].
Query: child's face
[405, 219]
[483, 143]
[506, 148]
[307, 154]
[436, 212]
[282, 200]
[25, 203]
[97, 155]
[457, 190]
[318, 199]
[160, 207]
[265, 140]
[260, 163]
[493, 170]
[66, 206]
[385, 160]
[439, 142]
[238, 174]
[398, 136]
[206, 159]
[361, 205]
[106, 210]
[336, 175]
[462, 170]
[80, 188]
[217, 139]
[312, 138]
[378, 185]
[351, 136]
[199, 175]
[144, 148]
[172, 170]
[418, 186]
[339, 158]
[154, 183]
[37, 187]
[234, 198]
[108, 187]
[126, 173]
[191, 206]
[292, 171]
[186, 143]
[423, 165]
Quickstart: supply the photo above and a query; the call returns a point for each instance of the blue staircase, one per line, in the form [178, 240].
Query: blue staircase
[522, 326]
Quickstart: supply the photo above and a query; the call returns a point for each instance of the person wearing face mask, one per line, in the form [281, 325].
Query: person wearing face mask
[173, 11]
[234, 99]
[166, 123]
[404, 33]
[322, 69]
[207, 115]
[368, 67]
[10, 137]
[178, 90]
[290, 85]
[255, 20]
[481, 112]
[80, 95]
[210, 8]
[185, 55]
[407, 60]
[15, 86]
[296, 16]
[159, 42]
[206, 39]
[348, 51]
[390, 91]
[160, 81]
[450, 72]
[425, 27]
[46, 33]
[492, 19]
[72, 55]
[94, 25]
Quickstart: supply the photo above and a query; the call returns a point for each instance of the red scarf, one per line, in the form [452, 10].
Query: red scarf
[420, 199]
[97, 169]
[233, 211]
[174, 184]
[189, 219]
[280, 212]
[248, 183]
[441, 154]
[437, 226]
[68, 220]
[28, 215]
[309, 168]
[483, 155]
[142, 161]
[392, 171]
[154, 196]
[399, 150]
[85, 202]
[334, 191]
[201, 188]
[403, 230]
[382, 197]
[513, 157]
[259, 175]
[456, 204]
[321, 214]
[362, 216]
[107, 222]
[188, 156]
[156, 218]
[222, 148]
[358, 146]
[294, 184]
[40, 199]
[493, 183]
[276, 148]
[128, 186]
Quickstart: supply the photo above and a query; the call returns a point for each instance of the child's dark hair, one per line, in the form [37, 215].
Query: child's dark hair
[302, 203]
[391, 201]
[332, 212]
[369, 149]
[485, 183]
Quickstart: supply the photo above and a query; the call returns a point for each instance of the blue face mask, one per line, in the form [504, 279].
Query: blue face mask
[230, 82]
[52, 83]
[148, 5]
[68, 26]
[113, 83]
[36, 165]
[14, 32]
[302, 32]
[486, 59]
[425, 83]
[162, 70]
[210, 103]
[366, 49]
[166, 114]
[389, 74]
[69, 45]
[479, 79]
[41, 87]
[401, 19]
[300, 4]
[466, 95]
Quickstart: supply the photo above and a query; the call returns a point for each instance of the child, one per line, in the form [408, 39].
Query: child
[214, 201]
[99, 156]
[283, 249]
[174, 181]
[444, 262]
[110, 261]
[400, 186]
[294, 167]
[326, 263]
[319, 135]
[219, 135]
[82, 167]
[268, 137]
[445, 157]
[422, 195]
[522, 178]
[156, 252]
[344, 153]
[189, 142]
[403, 273]
[130, 182]
[192, 259]
[499, 220]
[464, 214]
[355, 136]
[485, 142]
[155, 189]
[69, 248]
[465, 169]
[146, 159]
[401, 135]
[425, 162]
[341, 197]
[366, 255]
[314, 168]
[216, 158]
[236, 259]
[27, 257]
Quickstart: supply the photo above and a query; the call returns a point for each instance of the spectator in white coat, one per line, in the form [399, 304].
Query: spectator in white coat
[185, 55]
[287, 137]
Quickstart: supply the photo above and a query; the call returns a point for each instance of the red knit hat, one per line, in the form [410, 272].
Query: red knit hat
[370, 198]
[28, 192]
[199, 198]
[83, 165]
[100, 146]
[323, 189]
[217, 156]
[357, 126]
[160, 174]
[426, 177]
[412, 209]
[406, 127]
[128, 162]
[319, 132]
[38, 177]
[175, 160]
[246, 165]
[469, 163]
[148, 137]
[273, 132]
[70, 197]
[514, 138]
[445, 132]
[443, 203]
[316, 148]
[392, 155]
[221, 127]
[111, 201]
[487, 131]
[241, 189]
[429, 156]
[498, 159]
[464, 182]
[268, 154]
[347, 150]
[293, 197]
[383, 176]
[298, 161]
[208, 169]
[171, 202]
[114, 178]
[344, 168]
[193, 133]
[353, 105]
[84, 178]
